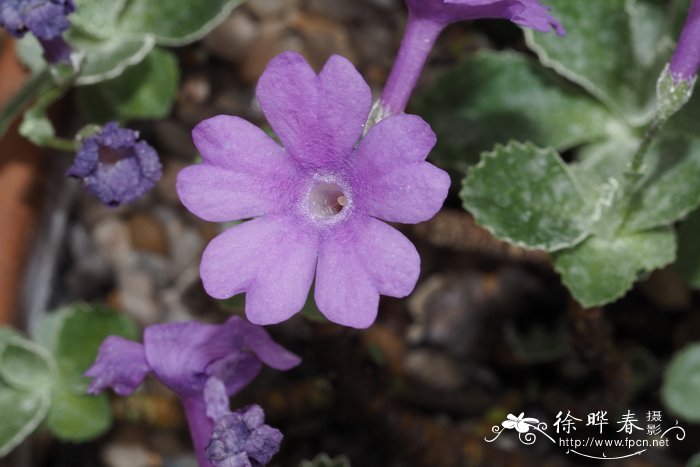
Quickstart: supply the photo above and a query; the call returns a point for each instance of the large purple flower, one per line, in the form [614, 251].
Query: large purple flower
[116, 166]
[686, 59]
[316, 202]
[203, 363]
[46, 19]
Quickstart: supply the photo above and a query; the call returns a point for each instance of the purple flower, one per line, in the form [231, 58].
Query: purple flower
[317, 202]
[686, 59]
[427, 19]
[241, 439]
[203, 363]
[528, 13]
[46, 19]
[115, 166]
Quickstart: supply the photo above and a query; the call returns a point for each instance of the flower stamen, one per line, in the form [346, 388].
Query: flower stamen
[326, 199]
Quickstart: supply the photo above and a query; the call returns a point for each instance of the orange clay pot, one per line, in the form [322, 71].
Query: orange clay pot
[21, 183]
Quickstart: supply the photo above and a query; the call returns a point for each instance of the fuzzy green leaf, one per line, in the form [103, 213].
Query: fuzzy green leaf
[670, 189]
[174, 22]
[681, 385]
[601, 270]
[602, 51]
[687, 120]
[144, 91]
[496, 97]
[79, 417]
[22, 412]
[26, 365]
[97, 17]
[27, 376]
[74, 335]
[107, 59]
[527, 196]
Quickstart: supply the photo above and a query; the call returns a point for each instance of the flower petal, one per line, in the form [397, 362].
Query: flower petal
[245, 172]
[179, 353]
[394, 142]
[319, 118]
[233, 143]
[345, 292]
[536, 16]
[389, 257]
[399, 186]
[527, 13]
[221, 195]
[121, 364]
[272, 258]
[237, 369]
[261, 344]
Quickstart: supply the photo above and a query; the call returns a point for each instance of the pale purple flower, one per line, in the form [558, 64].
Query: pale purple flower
[203, 363]
[317, 201]
[427, 19]
[686, 59]
[116, 166]
[241, 439]
[45, 19]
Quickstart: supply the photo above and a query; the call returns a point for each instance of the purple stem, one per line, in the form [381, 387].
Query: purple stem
[418, 41]
[686, 58]
[201, 428]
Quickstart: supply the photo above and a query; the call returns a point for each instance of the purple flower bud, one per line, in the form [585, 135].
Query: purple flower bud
[115, 166]
[317, 201]
[686, 59]
[46, 19]
[204, 364]
[242, 439]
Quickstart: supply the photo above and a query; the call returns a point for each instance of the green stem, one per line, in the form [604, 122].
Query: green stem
[60, 144]
[20, 100]
[650, 134]
[636, 171]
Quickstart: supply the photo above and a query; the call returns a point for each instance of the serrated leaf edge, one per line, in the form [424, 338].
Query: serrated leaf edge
[646, 268]
[485, 156]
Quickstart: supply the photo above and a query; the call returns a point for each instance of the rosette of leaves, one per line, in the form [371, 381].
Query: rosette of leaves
[122, 69]
[592, 94]
[42, 380]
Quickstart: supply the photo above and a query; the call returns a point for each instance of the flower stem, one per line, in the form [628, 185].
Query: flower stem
[417, 42]
[201, 427]
[34, 86]
[60, 144]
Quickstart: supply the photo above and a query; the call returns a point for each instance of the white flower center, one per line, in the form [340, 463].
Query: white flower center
[328, 199]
